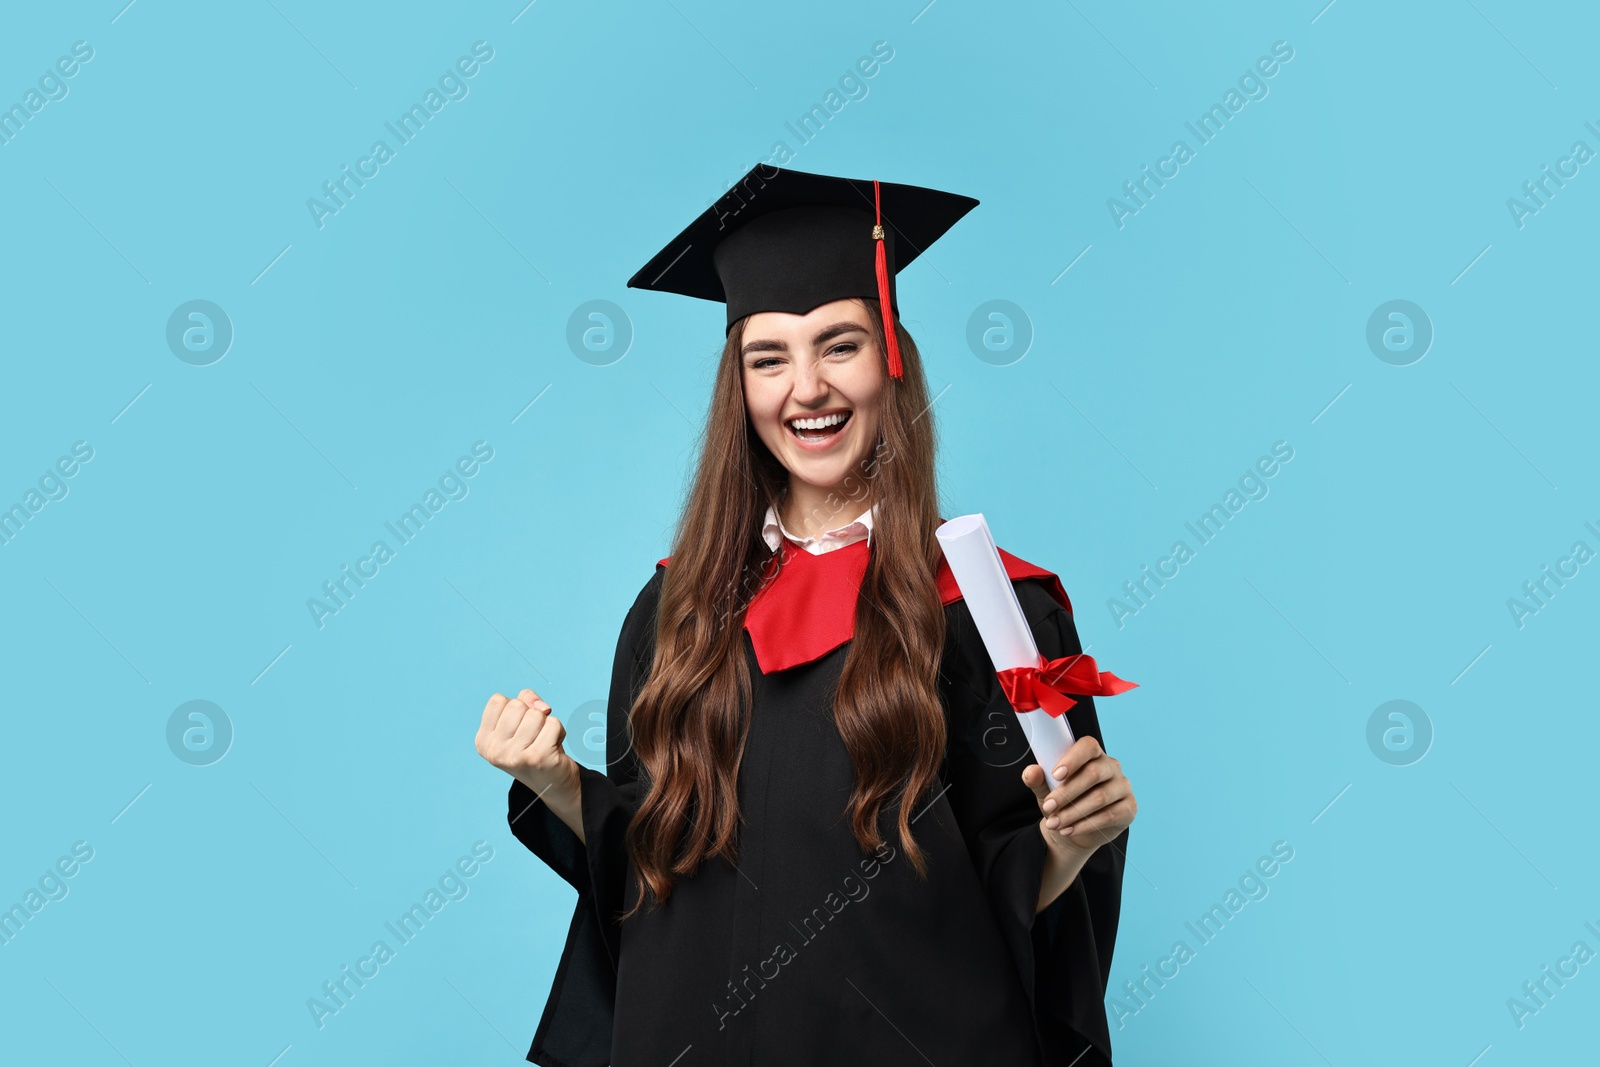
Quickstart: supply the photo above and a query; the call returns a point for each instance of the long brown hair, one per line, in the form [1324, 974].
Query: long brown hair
[689, 722]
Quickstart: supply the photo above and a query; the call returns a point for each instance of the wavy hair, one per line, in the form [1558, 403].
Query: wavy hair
[689, 722]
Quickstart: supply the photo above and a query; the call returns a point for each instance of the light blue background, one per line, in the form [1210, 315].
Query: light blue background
[1228, 314]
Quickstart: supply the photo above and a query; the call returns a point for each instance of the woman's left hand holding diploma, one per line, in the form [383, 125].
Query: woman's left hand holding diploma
[1092, 802]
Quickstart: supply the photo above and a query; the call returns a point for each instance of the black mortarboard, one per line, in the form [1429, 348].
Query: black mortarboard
[785, 240]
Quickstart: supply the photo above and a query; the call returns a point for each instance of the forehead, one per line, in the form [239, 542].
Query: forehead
[783, 324]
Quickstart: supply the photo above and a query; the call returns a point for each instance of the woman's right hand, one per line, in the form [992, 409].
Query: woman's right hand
[522, 738]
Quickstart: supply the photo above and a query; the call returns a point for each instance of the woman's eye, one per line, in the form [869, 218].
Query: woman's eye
[848, 346]
[762, 364]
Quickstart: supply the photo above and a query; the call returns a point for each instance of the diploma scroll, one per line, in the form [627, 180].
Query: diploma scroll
[975, 562]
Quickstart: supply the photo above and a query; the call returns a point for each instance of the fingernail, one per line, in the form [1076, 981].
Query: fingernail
[1060, 774]
[1049, 805]
[1051, 822]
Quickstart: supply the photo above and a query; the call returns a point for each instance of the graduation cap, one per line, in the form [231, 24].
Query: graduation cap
[786, 240]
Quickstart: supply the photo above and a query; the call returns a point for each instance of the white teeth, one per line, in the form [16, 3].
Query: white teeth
[819, 423]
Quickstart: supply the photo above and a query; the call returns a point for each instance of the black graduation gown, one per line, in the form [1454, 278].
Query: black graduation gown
[812, 952]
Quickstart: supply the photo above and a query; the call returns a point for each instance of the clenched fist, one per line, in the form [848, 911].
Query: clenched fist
[522, 738]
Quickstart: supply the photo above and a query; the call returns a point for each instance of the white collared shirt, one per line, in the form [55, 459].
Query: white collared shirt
[772, 531]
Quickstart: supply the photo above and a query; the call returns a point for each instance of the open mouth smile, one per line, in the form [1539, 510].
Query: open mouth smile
[817, 430]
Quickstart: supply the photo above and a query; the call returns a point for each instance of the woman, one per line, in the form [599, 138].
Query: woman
[820, 838]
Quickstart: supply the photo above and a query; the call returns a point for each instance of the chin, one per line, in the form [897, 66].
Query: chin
[824, 475]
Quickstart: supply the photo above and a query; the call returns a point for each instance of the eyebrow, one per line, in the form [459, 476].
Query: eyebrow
[836, 330]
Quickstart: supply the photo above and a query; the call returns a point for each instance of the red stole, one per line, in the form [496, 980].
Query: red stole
[809, 609]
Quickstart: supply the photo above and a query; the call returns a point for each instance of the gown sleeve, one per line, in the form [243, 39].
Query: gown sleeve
[575, 1029]
[1062, 954]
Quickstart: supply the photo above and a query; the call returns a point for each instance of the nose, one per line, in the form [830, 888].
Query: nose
[810, 385]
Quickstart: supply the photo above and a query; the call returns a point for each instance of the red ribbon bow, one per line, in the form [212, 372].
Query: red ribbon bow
[1047, 685]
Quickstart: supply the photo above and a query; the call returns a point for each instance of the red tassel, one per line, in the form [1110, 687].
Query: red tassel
[882, 267]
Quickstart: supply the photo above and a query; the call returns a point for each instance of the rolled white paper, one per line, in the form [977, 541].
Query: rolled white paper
[975, 562]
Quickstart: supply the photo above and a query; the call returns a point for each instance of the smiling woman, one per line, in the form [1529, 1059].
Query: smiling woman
[798, 687]
[811, 385]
